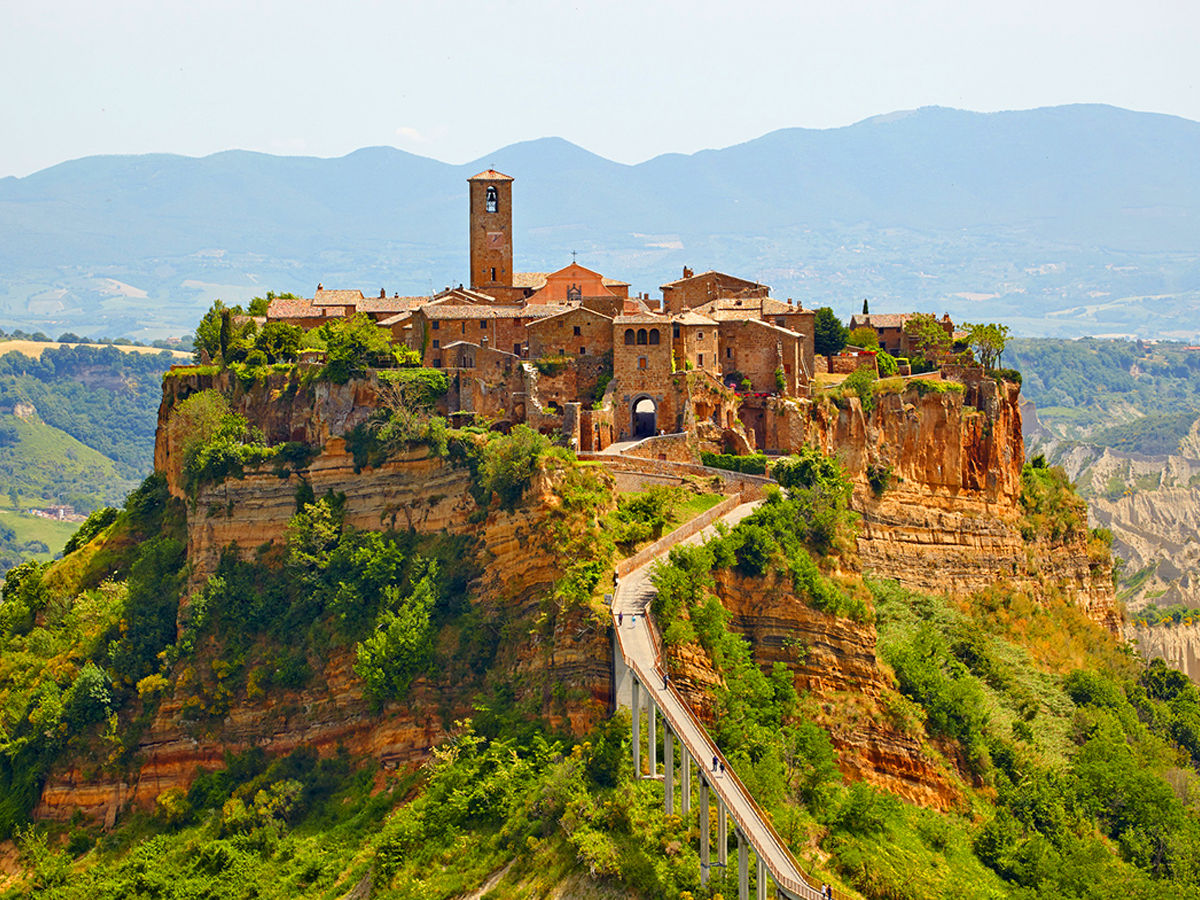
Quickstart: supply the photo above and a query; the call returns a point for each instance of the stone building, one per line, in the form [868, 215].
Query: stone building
[572, 351]
[693, 290]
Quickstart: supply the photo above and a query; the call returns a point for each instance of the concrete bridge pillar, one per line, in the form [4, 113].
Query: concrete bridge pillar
[760, 891]
[652, 734]
[637, 728]
[668, 770]
[705, 839]
[722, 835]
[743, 867]
[685, 781]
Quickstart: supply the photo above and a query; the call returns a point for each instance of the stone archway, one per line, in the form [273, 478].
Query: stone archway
[645, 418]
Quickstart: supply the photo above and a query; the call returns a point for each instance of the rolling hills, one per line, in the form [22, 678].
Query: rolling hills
[1060, 221]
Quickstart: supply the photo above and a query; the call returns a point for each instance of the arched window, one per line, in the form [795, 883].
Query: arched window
[641, 336]
[629, 336]
[654, 335]
[492, 203]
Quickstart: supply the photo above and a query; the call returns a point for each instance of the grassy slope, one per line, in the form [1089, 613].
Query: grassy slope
[52, 533]
[46, 462]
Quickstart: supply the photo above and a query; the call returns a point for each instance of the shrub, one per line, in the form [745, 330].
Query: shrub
[879, 477]
[92, 526]
[749, 464]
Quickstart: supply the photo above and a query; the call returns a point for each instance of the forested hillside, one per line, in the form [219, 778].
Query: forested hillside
[76, 429]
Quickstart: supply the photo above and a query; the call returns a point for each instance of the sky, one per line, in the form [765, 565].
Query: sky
[627, 80]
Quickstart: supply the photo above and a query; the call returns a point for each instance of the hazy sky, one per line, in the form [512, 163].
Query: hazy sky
[627, 80]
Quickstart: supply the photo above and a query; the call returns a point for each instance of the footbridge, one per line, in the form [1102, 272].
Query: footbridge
[642, 684]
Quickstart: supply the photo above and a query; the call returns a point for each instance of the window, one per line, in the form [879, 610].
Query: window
[781, 322]
[628, 335]
[516, 349]
[437, 362]
[562, 351]
[577, 331]
[675, 333]
[483, 324]
[729, 353]
[493, 273]
[583, 351]
[436, 324]
[492, 204]
[436, 343]
[653, 335]
[700, 360]
[699, 335]
[641, 335]
[641, 362]
[464, 327]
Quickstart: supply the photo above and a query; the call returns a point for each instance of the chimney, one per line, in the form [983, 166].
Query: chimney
[382, 293]
[687, 273]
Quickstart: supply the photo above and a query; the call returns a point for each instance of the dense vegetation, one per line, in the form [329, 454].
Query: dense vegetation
[1100, 390]
[102, 397]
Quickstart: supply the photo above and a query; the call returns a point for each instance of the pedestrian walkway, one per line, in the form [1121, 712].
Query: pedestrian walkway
[639, 649]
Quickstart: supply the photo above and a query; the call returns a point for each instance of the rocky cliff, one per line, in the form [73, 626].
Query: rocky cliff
[558, 666]
[834, 663]
[948, 516]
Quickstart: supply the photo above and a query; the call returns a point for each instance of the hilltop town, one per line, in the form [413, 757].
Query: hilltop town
[572, 353]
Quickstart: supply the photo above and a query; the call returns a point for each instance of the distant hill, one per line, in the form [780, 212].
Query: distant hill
[1061, 221]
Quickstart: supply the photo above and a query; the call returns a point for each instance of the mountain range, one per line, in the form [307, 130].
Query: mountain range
[1059, 221]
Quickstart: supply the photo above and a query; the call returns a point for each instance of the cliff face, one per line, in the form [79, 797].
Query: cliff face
[1176, 645]
[834, 663]
[949, 517]
[558, 665]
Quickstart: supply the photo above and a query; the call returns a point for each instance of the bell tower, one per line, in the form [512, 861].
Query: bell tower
[491, 230]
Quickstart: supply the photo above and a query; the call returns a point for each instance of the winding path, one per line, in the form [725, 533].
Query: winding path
[645, 675]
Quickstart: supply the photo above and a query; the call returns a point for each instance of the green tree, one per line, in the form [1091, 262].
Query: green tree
[864, 336]
[354, 345]
[207, 339]
[279, 341]
[927, 337]
[866, 308]
[988, 342]
[829, 334]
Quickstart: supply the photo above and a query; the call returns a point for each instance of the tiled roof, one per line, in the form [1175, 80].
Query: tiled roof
[530, 279]
[459, 311]
[710, 272]
[693, 318]
[298, 309]
[880, 320]
[490, 175]
[338, 298]
[465, 311]
[642, 319]
[397, 318]
[564, 312]
[614, 282]
[390, 304]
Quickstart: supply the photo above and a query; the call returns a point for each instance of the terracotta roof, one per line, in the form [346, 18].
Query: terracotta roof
[880, 320]
[693, 318]
[298, 309]
[338, 298]
[564, 312]
[710, 272]
[725, 309]
[459, 311]
[465, 311]
[642, 318]
[464, 293]
[530, 279]
[397, 318]
[390, 304]
[490, 175]
[614, 282]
